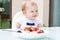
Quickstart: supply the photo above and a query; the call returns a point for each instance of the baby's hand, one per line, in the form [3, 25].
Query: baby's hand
[39, 25]
[18, 26]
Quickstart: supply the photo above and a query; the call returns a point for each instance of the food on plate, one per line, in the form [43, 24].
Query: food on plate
[27, 28]
[33, 29]
[40, 31]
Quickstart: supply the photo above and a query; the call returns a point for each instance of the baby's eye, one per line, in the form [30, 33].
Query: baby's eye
[36, 11]
[32, 11]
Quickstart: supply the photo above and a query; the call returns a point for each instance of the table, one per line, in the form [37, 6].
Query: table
[54, 34]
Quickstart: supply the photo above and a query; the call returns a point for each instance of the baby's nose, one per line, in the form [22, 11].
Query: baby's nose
[35, 13]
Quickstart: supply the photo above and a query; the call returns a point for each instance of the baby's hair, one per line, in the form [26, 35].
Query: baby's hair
[25, 4]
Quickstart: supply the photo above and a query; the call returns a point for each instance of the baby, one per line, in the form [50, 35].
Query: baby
[29, 17]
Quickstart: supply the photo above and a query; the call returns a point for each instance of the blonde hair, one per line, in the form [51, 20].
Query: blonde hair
[25, 4]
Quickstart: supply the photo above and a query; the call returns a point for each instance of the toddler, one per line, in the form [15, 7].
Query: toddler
[29, 17]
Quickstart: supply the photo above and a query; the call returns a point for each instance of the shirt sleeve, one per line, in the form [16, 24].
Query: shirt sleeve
[16, 19]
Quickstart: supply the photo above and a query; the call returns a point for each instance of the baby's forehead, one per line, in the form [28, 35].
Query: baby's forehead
[32, 8]
[31, 5]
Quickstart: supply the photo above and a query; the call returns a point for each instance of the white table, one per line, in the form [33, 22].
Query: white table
[54, 35]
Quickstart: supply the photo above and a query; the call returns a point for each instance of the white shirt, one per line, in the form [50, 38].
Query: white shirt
[23, 21]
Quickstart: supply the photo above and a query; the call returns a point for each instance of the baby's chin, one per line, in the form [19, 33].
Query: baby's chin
[33, 18]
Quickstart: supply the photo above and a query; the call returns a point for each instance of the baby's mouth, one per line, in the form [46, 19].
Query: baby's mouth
[35, 16]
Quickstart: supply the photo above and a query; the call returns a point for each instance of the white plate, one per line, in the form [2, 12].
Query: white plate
[29, 35]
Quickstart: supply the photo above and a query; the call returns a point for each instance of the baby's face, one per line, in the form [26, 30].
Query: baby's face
[31, 12]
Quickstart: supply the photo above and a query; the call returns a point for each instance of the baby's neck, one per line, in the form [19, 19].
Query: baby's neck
[28, 18]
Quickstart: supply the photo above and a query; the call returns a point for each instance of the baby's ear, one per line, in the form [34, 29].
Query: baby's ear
[24, 12]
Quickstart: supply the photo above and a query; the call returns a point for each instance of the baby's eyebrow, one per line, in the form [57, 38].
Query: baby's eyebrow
[36, 10]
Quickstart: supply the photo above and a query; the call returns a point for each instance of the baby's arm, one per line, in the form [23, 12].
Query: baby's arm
[18, 25]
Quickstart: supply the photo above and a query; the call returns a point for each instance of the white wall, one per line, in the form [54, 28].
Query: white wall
[16, 6]
[46, 13]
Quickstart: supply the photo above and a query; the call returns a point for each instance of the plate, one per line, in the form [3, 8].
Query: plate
[29, 35]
